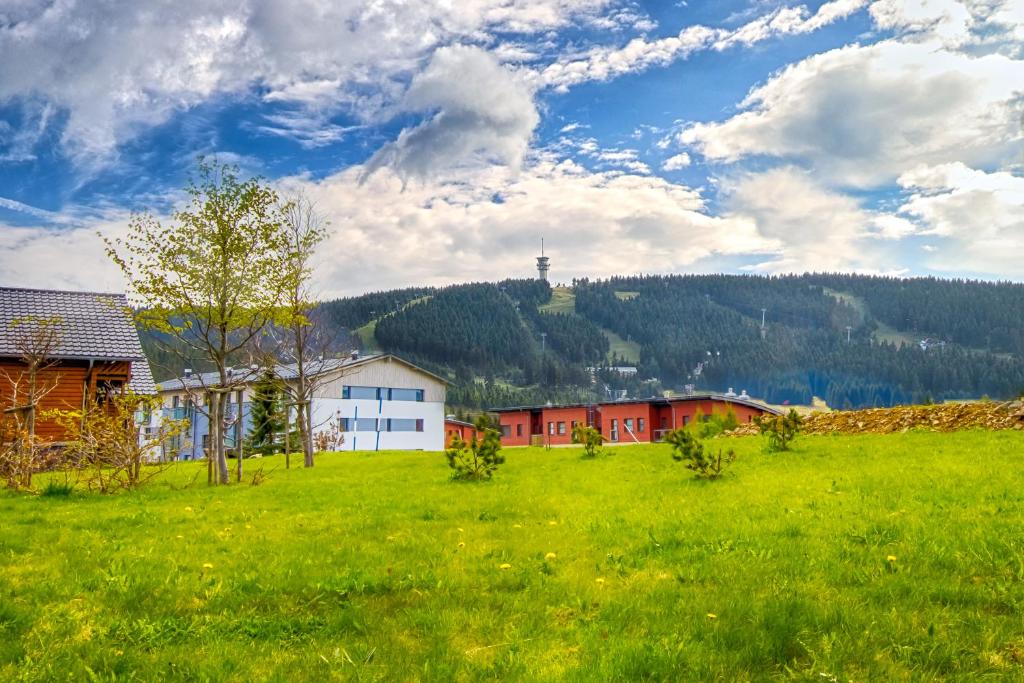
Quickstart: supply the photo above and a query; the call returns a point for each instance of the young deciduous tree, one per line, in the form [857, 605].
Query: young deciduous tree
[304, 343]
[22, 452]
[214, 278]
[589, 437]
[108, 449]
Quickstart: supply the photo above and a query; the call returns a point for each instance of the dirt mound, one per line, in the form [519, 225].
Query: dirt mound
[947, 417]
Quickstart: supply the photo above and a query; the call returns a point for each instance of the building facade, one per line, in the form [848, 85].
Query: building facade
[92, 352]
[635, 421]
[377, 402]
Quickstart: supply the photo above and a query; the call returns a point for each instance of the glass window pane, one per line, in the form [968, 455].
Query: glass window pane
[406, 394]
[402, 424]
[366, 424]
[363, 393]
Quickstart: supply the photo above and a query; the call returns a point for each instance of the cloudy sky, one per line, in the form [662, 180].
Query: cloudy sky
[443, 139]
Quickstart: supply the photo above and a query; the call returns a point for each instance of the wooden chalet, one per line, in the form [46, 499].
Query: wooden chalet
[91, 351]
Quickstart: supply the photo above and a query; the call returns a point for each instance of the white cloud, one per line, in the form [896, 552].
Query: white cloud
[482, 110]
[812, 228]
[605, 63]
[674, 163]
[115, 67]
[863, 115]
[481, 224]
[980, 215]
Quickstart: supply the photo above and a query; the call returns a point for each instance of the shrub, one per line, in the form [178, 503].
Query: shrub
[589, 437]
[108, 449]
[780, 429]
[55, 489]
[688, 448]
[712, 425]
[478, 458]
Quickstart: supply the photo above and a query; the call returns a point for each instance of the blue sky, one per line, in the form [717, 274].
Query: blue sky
[442, 140]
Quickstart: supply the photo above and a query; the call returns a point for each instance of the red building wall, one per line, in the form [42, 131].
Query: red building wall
[557, 424]
[684, 410]
[516, 428]
[619, 413]
[453, 429]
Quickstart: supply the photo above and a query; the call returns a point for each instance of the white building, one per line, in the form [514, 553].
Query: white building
[378, 402]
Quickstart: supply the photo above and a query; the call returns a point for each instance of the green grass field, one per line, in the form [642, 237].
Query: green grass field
[863, 558]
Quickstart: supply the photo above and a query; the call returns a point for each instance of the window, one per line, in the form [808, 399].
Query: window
[175, 402]
[628, 422]
[405, 394]
[364, 393]
[363, 424]
[519, 430]
[561, 428]
[506, 430]
[551, 427]
[640, 425]
[402, 424]
[614, 430]
[686, 420]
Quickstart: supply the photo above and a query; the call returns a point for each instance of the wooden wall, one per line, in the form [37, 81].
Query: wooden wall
[69, 379]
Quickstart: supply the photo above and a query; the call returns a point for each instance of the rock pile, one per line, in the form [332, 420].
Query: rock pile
[947, 417]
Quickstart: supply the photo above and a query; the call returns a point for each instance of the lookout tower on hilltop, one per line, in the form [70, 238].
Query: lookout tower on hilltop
[542, 263]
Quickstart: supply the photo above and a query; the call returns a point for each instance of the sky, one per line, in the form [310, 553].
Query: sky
[443, 139]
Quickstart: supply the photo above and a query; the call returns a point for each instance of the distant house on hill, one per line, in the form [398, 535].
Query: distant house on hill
[81, 347]
[377, 402]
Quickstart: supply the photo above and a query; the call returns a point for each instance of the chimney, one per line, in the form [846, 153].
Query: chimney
[188, 373]
[354, 354]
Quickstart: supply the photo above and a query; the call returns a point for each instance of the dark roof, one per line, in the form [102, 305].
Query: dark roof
[142, 382]
[92, 325]
[245, 375]
[656, 400]
[461, 423]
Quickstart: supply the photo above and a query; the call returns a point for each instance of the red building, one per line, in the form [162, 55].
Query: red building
[452, 428]
[635, 421]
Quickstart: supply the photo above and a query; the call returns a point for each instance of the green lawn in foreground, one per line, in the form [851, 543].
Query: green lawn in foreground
[375, 566]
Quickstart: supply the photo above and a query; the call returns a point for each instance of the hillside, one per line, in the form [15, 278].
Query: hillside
[854, 341]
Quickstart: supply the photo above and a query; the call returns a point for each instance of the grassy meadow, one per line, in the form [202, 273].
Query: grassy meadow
[862, 558]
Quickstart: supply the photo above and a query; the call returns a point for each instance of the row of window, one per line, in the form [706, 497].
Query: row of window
[373, 424]
[381, 393]
[636, 427]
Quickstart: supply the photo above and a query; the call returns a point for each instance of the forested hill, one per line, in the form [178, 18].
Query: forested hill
[852, 340]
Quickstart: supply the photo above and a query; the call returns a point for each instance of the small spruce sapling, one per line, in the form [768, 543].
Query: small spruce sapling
[780, 429]
[478, 458]
[589, 437]
[688, 448]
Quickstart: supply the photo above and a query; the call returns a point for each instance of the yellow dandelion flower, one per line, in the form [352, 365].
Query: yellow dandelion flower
[460, 530]
[179, 536]
[207, 565]
[462, 545]
[517, 526]
[552, 523]
[599, 580]
[506, 565]
[188, 509]
[712, 616]
[550, 556]
[890, 558]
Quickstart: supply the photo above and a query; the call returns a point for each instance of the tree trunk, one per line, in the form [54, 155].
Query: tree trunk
[208, 451]
[239, 428]
[308, 445]
[222, 457]
[287, 437]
